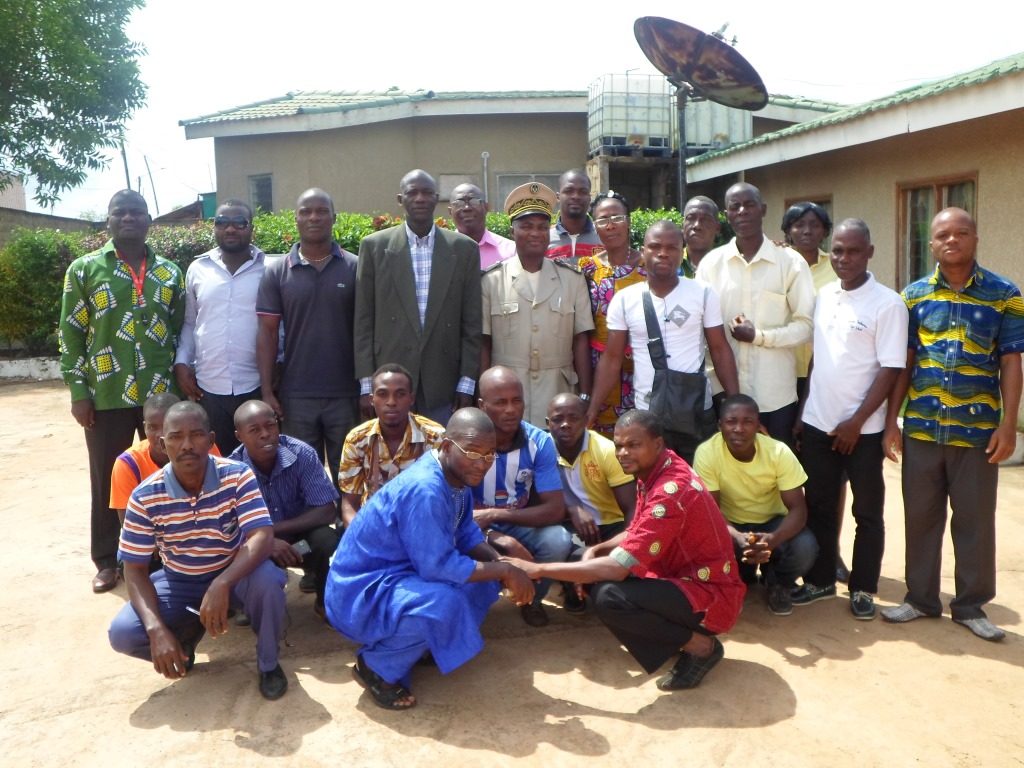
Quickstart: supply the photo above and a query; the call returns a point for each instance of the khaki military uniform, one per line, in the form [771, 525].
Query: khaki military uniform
[533, 334]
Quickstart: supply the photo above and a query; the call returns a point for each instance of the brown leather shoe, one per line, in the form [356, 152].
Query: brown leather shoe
[104, 580]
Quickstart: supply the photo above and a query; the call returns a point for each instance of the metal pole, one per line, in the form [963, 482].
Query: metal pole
[681, 170]
[485, 156]
[152, 185]
[124, 159]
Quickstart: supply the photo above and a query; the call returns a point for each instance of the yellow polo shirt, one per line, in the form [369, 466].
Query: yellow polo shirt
[589, 480]
[749, 490]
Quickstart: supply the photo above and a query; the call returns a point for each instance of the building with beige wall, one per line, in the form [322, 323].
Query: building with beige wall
[358, 145]
[895, 162]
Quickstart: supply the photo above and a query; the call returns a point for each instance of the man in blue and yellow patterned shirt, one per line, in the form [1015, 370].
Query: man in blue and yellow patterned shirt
[120, 317]
[963, 386]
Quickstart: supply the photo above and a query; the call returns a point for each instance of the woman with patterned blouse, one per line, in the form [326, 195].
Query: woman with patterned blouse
[606, 272]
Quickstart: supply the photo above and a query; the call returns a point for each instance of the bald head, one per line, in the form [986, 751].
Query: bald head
[417, 175]
[468, 423]
[251, 410]
[497, 378]
[566, 400]
[743, 189]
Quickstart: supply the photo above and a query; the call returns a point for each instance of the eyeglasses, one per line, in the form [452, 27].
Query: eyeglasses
[465, 202]
[238, 222]
[473, 455]
[606, 221]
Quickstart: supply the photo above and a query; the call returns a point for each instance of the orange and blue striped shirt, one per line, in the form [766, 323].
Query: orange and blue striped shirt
[958, 338]
[195, 535]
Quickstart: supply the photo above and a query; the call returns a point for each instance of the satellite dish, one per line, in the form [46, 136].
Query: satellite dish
[699, 66]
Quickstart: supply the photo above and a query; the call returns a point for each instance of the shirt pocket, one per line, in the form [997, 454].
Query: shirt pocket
[506, 319]
[561, 316]
[772, 310]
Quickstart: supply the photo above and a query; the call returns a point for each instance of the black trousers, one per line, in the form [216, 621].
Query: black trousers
[825, 470]
[323, 541]
[686, 445]
[651, 617]
[323, 422]
[113, 432]
[780, 422]
[221, 410]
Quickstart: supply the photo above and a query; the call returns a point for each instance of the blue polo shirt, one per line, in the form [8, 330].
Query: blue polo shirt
[297, 482]
[195, 535]
[532, 462]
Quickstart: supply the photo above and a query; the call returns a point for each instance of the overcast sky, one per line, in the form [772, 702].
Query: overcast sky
[204, 56]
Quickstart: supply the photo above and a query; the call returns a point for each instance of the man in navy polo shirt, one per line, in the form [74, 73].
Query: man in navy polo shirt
[521, 495]
[206, 518]
[300, 496]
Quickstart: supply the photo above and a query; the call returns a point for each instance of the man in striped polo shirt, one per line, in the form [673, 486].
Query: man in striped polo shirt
[207, 519]
[963, 384]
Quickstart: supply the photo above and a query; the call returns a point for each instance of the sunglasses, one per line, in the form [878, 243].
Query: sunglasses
[238, 222]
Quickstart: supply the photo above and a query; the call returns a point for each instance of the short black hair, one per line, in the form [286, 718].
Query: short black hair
[186, 407]
[797, 210]
[651, 423]
[393, 368]
[234, 202]
[159, 403]
[733, 400]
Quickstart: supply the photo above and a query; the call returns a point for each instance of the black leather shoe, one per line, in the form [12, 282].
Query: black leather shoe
[104, 580]
[273, 684]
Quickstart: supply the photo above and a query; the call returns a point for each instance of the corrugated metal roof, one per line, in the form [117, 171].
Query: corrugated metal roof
[309, 102]
[1000, 68]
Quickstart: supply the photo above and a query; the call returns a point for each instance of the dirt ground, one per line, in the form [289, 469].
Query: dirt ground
[812, 689]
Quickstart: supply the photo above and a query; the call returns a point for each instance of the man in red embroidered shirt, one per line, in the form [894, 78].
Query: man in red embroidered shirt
[669, 583]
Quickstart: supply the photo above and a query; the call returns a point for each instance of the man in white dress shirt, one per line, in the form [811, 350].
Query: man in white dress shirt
[215, 364]
[767, 297]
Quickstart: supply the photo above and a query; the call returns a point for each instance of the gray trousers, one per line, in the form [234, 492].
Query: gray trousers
[323, 422]
[932, 475]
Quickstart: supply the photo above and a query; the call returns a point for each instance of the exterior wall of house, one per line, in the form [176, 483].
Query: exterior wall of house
[361, 166]
[863, 182]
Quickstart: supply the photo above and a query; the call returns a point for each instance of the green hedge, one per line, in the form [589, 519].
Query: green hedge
[33, 263]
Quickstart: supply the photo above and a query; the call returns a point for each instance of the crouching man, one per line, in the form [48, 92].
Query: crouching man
[206, 518]
[669, 583]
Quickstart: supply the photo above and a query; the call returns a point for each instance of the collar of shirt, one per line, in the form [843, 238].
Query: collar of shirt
[517, 442]
[939, 279]
[583, 449]
[175, 490]
[588, 226]
[766, 252]
[285, 458]
[427, 241]
[412, 435]
[295, 260]
[217, 257]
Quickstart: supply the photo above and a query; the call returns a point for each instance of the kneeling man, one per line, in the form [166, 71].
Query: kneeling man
[668, 583]
[207, 519]
[414, 574]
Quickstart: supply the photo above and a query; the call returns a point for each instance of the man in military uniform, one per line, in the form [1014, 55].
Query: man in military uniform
[536, 313]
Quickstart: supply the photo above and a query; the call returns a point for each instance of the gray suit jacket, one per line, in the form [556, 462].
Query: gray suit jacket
[387, 325]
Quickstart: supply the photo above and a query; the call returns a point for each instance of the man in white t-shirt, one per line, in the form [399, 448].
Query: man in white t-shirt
[688, 312]
[860, 346]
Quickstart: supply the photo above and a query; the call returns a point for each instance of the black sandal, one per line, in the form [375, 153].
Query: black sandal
[690, 669]
[385, 695]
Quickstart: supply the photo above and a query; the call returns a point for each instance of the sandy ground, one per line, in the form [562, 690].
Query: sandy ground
[812, 689]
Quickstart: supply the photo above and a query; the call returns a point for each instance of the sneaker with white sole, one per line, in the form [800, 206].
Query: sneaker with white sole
[983, 628]
[807, 593]
[862, 605]
[901, 614]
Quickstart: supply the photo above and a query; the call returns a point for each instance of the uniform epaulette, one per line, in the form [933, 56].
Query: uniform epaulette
[494, 266]
[575, 267]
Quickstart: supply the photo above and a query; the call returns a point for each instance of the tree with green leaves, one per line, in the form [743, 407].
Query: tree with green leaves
[69, 79]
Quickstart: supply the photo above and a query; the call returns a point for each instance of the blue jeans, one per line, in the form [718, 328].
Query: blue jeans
[789, 561]
[260, 594]
[547, 544]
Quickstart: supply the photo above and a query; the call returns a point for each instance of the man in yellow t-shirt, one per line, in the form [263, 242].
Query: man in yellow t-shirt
[758, 484]
[599, 496]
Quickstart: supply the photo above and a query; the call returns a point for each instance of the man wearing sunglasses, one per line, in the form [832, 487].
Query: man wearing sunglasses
[216, 360]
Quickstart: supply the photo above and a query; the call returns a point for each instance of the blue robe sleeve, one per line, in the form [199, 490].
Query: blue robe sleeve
[428, 533]
[468, 534]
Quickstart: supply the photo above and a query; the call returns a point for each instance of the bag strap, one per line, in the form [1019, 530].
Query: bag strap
[655, 344]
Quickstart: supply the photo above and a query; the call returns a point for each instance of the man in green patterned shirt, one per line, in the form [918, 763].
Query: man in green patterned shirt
[120, 317]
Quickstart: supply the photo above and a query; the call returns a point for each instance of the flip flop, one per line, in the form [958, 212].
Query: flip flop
[385, 695]
[690, 669]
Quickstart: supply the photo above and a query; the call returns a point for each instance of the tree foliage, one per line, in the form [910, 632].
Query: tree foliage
[69, 79]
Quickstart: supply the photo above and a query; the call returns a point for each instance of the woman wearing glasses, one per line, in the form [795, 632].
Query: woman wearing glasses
[606, 272]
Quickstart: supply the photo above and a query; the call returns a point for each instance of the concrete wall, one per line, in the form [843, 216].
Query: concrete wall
[863, 181]
[361, 166]
[10, 219]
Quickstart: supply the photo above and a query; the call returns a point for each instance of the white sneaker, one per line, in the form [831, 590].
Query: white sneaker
[983, 628]
[901, 614]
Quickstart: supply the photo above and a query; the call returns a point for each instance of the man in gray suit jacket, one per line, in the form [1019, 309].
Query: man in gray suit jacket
[418, 305]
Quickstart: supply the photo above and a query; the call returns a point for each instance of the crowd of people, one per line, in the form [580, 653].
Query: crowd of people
[449, 416]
